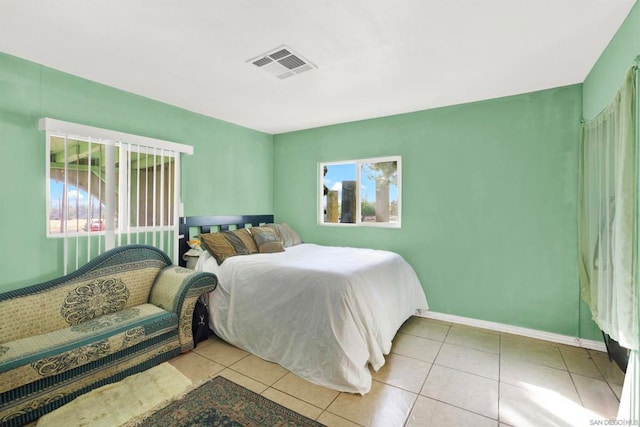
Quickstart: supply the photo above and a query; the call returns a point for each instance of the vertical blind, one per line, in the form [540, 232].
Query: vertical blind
[107, 189]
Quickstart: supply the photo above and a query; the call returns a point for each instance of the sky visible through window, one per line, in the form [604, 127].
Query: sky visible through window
[74, 194]
[56, 192]
[347, 172]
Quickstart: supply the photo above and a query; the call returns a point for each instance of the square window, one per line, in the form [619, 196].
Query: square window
[360, 192]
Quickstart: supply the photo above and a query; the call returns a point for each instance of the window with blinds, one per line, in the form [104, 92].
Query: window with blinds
[108, 189]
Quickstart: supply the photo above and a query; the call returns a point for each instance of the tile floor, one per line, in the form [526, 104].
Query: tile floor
[439, 374]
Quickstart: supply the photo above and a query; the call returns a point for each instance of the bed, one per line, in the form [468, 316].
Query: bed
[324, 313]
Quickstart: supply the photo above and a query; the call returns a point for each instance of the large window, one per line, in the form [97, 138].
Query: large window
[140, 194]
[107, 189]
[361, 192]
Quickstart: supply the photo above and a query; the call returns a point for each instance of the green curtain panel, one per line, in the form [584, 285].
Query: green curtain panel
[607, 216]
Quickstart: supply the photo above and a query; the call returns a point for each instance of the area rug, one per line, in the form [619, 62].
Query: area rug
[220, 402]
[116, 404]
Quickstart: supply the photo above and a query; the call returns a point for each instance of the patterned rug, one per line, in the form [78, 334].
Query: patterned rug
[220, 402]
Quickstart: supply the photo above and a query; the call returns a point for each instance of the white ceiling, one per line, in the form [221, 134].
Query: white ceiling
[374, 57]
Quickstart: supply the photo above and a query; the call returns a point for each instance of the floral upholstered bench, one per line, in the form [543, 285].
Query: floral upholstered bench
[125, 311]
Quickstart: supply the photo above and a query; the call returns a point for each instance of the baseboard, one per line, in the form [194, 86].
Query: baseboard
[517, 330]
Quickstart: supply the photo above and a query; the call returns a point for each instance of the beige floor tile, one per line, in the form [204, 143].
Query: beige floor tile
[609, 370]
[403, 372]
[597, 396]
[259, 369]
[478, 339]
[539, 407]
[292, 403]
[219, 351]
[383, 406]
[461, 387]
[597, 353]
[428, 412]
[533, 351]
[332, 420]
[617, 390]
[565, 347]
[505, 336]
[532, 376]
[468, 360]
[195, 367]
[243, 380]
[580, 361]
[416, 347]
[304, 390]
[425, 328]
[467, 391]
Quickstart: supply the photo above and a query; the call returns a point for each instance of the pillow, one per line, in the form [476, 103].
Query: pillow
[276, 230]
[236, 242]
[223, 245]
[287, 234]
[266, 240]
[246, 238]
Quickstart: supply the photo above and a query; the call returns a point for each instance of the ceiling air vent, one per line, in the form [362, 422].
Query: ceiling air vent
[282, 62]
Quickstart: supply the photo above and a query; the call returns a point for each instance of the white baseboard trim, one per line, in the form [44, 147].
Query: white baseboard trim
[517, 330]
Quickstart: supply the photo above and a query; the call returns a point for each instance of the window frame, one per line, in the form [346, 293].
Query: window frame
[163, 234]
[123, 181]
[359, 163]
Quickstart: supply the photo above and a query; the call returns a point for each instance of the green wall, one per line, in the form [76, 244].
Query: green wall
[599, 88]
[607, 74]
[231, 171]
[489, 202]
[489, 188]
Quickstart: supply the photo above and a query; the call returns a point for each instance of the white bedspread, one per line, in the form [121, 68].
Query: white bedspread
[322, 312]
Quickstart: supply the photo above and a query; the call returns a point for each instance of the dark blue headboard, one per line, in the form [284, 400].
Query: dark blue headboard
[204, 224]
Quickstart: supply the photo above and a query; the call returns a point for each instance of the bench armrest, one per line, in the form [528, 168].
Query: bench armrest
[176, 289]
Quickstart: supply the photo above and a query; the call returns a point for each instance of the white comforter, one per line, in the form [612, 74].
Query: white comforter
[322, 312]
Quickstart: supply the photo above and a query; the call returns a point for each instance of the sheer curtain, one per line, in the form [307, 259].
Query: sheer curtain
[607, 216]
[607, 229]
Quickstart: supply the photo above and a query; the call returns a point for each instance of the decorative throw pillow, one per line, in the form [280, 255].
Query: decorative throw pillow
[246, 238]
[266, 240]
[276, 230]
[223, 245]
[236, 242]
[287, 234]
[292, 236]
